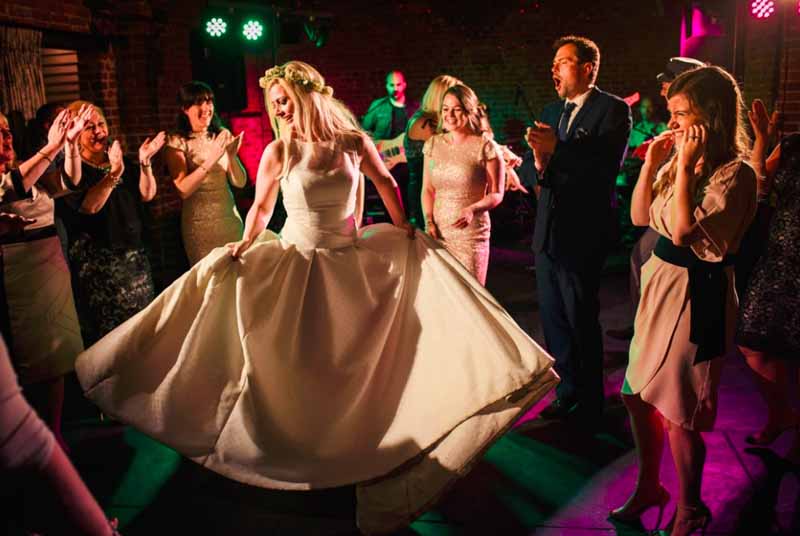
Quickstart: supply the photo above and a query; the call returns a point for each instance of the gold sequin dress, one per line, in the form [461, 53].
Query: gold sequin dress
[209, 218]
[458, 174]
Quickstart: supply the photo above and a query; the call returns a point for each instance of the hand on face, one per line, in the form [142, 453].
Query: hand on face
[693, 146]
[660, 147]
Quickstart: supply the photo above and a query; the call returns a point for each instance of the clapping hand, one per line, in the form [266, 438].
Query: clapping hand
[149, 147]
[58, 130]
[541, 138]
[216, 149]
[115, 159]
[78, 121]
[763, 124]
[234, 145]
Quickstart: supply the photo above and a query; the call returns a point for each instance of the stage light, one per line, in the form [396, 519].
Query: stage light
[216, 27]
[252, 30]
[761, 9]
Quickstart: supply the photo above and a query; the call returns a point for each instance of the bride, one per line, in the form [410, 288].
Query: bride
[327, 355]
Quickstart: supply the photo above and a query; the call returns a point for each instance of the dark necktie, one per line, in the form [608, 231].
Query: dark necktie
[563, 123]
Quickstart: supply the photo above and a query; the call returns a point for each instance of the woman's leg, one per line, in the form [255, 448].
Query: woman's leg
[648, 436]
[773, 380]
[689, 454]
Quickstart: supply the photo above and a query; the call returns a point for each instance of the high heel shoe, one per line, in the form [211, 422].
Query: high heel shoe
[630, 513]
[688, 519]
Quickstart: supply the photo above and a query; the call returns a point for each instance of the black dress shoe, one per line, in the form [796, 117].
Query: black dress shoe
[558, 409]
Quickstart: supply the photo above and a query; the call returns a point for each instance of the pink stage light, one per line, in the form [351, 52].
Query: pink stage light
[761, 9]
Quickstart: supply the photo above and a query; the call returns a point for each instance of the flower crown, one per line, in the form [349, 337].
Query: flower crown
[294, 76]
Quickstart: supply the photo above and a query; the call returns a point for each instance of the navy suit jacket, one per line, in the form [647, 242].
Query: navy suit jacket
[575, 219]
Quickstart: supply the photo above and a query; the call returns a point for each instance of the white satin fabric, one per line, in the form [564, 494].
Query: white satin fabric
[326, 356]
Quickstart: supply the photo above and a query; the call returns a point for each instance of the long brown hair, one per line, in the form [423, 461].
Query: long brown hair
[714, 95]
[469, 102]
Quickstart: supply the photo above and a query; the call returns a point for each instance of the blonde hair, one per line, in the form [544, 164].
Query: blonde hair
[469, 102]
[317, 115]
[432, 99]
[714, 95]
[75, 106]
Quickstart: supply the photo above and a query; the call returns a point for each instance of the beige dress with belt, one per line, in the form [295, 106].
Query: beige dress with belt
[209, 217]
[661, 365]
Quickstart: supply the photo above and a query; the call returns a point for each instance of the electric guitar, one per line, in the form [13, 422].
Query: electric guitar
[392, 151]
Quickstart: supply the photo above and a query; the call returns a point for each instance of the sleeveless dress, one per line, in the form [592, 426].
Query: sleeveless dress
[325, 356]
[661, 367]
[209, 218]
[458, 174]
[769, 319]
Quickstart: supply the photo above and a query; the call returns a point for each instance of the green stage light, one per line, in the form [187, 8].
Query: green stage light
[216, 27]
[252, 30]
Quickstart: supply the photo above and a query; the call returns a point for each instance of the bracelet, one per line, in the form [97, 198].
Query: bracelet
[45, 156]
[115, 181]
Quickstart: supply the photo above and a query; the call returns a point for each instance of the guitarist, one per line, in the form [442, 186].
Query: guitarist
[385, 121]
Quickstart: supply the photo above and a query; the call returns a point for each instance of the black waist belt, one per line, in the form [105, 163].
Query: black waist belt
[708, 289]
[29, 236]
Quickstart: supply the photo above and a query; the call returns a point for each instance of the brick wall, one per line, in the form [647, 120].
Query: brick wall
[134, 54]
[772, 64]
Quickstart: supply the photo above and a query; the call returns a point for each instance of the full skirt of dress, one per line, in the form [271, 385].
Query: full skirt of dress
[382, 363]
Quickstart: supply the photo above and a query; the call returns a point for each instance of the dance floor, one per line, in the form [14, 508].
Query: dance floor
[543, 478]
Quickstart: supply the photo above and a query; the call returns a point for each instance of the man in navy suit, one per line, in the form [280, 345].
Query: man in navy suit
[578, 147]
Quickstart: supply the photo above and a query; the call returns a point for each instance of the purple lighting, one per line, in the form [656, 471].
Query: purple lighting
[762, 9]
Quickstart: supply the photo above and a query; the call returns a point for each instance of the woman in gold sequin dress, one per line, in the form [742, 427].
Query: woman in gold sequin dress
[462, 180]
[201, 156]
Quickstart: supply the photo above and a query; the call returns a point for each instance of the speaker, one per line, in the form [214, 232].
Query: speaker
[221, 67]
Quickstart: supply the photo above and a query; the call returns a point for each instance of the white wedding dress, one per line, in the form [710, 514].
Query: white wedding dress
[325, 356]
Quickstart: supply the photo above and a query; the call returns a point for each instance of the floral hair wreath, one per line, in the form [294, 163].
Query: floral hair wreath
[295, 77]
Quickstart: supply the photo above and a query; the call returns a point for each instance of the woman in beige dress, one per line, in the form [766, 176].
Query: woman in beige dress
[463, 178]
[700, 202]
[201, 156]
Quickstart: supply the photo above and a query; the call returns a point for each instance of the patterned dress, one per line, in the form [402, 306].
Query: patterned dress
[458, 175]
[110, 269]
[769, 319]
[209, 218]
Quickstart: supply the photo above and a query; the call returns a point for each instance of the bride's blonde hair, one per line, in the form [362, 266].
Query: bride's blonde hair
[317, 115]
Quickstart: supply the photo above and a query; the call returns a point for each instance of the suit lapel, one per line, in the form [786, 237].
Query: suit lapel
[582, 112]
